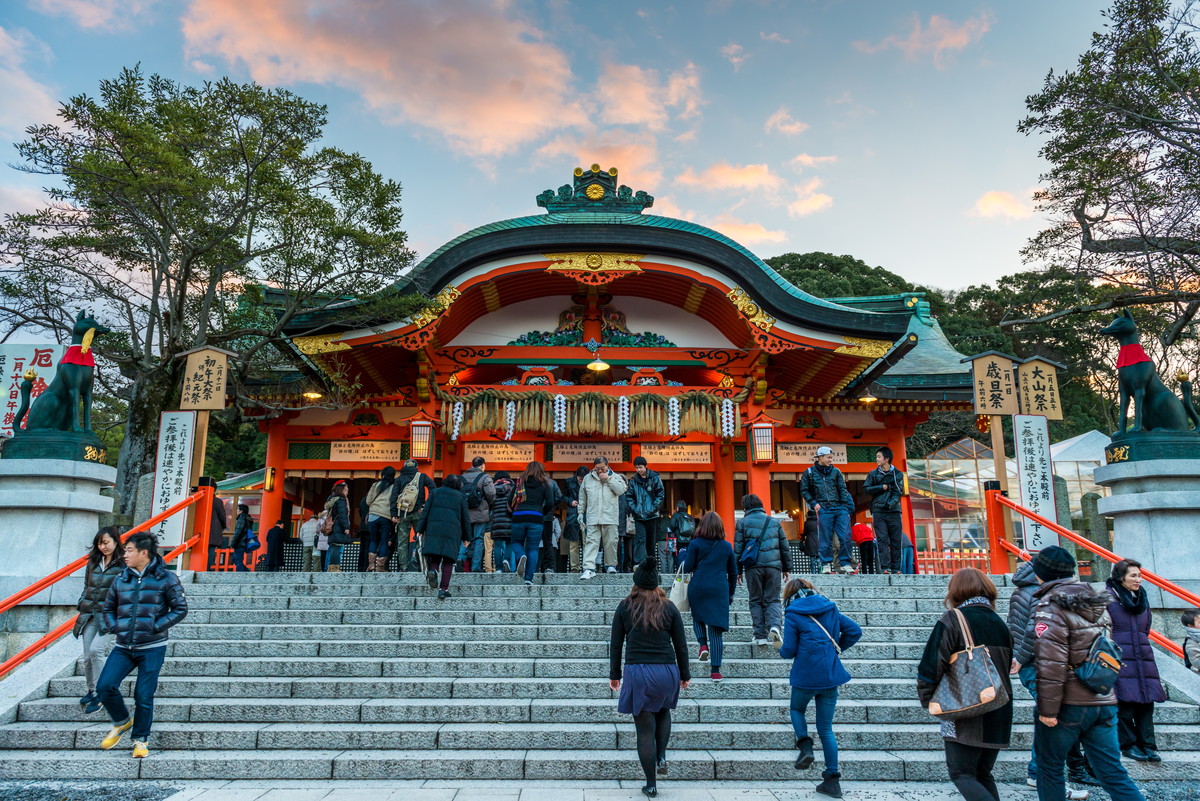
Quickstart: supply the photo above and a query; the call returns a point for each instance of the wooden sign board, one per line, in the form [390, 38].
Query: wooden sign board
[995, 388]
[1037, 382]
[677, 452]
[204, 380]
[519, 452]
[806, 452]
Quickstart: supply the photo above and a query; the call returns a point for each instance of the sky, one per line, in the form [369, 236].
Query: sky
[882, 129]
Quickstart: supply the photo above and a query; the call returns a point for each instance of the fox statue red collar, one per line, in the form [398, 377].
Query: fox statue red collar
[77, 355]
[1133, 353]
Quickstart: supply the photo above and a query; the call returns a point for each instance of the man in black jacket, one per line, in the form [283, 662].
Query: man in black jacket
[406, 515]
[823, 488]
[646, 495]
[885, 485]
[145, 600]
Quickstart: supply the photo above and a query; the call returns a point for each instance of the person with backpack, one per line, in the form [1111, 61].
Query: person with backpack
[823, 488]
[531, 502]
[1138, 687]
[885, 485]
[815, 635]
[243, 529]
[379, 520]
[711, 589]
[106, 560]
[500, 520]
[1069, 618]
[337, 525]
[761, 550]
[682, 526]
[1191, 640]
[480, 492]
[444, 526]
[972, 743]
[409, 492]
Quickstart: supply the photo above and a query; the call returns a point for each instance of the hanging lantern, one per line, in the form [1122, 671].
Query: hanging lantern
[421, 440]
[762, 442]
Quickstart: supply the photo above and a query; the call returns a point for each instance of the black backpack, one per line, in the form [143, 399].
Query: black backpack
[474, 496]
[1103, 664]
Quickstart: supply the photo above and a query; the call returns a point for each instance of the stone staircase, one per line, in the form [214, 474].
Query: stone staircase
[369, 676]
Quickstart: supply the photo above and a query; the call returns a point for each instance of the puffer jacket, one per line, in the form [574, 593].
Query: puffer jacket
[140, 608]
[1139, 681]
[1067, 618]
[885, 489]
[600, 501]
[646, 496]
[339, 508]
[96, 583]
[444, 523]
[772, 548]
[1191, 649]
[825, 489]
[815, 662]
[501, 514]
[1020, 613]
[241, 529]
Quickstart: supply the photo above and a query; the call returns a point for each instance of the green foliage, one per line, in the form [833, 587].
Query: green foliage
[825, 275]
[234, 449]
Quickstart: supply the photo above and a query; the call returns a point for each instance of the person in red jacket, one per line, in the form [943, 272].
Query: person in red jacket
[863, 535]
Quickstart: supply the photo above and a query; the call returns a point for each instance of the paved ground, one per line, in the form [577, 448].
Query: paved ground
[514, 791]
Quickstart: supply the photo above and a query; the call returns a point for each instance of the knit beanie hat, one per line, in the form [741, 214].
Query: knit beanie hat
[1054, 563]
[646, 574]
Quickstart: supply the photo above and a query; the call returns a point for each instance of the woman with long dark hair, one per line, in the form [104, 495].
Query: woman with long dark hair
[710, 591]
[815, 634]
[500, 521]
[972, 744]
[532, 501]
[338, 507]
[379, 520]
[649, 629]
[445, 526]
[106, 560]
[1138, 686]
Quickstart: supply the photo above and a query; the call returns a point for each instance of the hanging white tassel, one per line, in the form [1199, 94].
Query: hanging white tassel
[458, 418]
[560, 414]
[623, 415]
[510, 417]
[673, 417]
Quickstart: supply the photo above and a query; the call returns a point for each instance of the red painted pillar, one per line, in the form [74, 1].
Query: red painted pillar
[723, 485]
[272, 500]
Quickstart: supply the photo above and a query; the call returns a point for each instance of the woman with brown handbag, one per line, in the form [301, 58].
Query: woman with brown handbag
[972, 743]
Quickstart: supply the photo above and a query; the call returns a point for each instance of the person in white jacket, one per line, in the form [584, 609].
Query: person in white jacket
[599, 511]
[310, 557]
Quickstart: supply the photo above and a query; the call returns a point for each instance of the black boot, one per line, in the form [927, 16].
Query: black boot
[804, 759]
[830, 786]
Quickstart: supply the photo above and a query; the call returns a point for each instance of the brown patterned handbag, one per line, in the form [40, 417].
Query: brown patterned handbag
[971, 685]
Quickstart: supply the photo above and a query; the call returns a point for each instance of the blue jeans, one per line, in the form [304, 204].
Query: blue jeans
[476, 548]
[334, 555]
[527, 541]
[713, 638]
[381, 532]
[834, 520]
[826, 705]
[1075, 758]
[908, 564]
[119, 665]
[499, 555]
[1095, 727]
[239, 560]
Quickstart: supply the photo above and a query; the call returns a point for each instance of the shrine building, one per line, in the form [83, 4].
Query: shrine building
[595, 328]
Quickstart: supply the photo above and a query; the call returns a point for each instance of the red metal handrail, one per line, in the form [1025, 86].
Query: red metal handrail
[204, 495]
[1000, 544]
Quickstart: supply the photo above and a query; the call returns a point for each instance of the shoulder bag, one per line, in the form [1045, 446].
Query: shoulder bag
[751, 549]
[1100, 670]
[971, 685]
[679, 588]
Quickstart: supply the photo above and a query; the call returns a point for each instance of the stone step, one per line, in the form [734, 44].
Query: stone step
[515, 710]
[698, 765]
[487, 736]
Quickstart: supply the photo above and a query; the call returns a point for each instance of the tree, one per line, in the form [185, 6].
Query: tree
[1123, 143]
[175, 209]
[825, 275]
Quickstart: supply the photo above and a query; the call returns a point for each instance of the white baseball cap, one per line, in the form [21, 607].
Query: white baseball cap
[824, 450]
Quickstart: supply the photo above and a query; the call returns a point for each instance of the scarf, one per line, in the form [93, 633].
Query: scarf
[824, 469]
[1133, 603]
[978, 600]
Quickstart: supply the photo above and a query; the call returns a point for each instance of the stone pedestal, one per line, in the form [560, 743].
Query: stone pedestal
[1155, 506]
[49, 513]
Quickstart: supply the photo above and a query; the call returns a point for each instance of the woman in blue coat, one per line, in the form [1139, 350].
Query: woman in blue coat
[815, 634]
[711, 589]
[1138, 686]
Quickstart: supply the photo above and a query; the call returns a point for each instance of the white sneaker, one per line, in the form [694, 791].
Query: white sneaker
[826, 569]
[776, 637]
[847, 569]
[1076, 793]
[521, 567]
[588, 574]
[612, 569]
[759, 642]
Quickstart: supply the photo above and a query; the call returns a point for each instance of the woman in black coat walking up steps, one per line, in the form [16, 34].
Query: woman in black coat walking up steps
[711, 589]
[445, 526]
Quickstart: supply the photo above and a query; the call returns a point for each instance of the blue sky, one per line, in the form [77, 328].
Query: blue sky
[886, 130]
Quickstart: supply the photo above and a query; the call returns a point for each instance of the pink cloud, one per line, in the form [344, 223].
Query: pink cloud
[782, 122]
[773, 37]
[808, 199]
[732, 176]
[735, 54]
[632, 95]
[634, 155]
[27, 101]
[941, 38]
[1002, 205]
[804, 160]
[746, 233]
[102, 14]
[484, 79]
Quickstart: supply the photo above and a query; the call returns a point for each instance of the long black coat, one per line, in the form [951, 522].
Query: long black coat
[500, 522]
[140, 609]
[96, 582]
[445, 523]
[1139, 682]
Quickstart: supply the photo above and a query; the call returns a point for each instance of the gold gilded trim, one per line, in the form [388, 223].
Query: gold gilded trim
[321, 343]
[436, 307]
[750, 310]
[867, 348]
[593, 262]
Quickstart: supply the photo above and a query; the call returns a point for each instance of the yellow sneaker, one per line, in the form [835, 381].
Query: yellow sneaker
[115, 735]
[140, 749]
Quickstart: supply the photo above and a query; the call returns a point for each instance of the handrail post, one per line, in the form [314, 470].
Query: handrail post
[999, 559]
[198, 557]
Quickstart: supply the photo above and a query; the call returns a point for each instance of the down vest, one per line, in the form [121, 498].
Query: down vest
[1020, 614]
[1139, 681]
[140, 608]
[772, 549]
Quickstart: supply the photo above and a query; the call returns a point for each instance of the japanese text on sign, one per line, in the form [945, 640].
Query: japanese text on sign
[498, 452]
[362, 450]
[995, 389]
[685, 452]
[204, 380]
[1035, 474]
[586, 452]
[806, 452]
[172, 469]
[1037, 382]
[15, 360]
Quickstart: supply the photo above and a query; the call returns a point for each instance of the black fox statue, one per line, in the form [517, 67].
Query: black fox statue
[1155, 407]
[57, 408]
